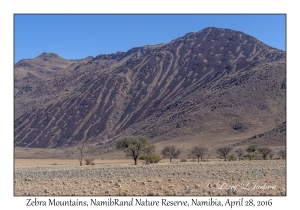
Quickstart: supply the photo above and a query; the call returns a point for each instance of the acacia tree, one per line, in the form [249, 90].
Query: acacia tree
[282, 153]
[198, 152]
[272, 153]
[240, 152]
[134, 146]
[170, 152]
[224, 151]
[264, 152]
[252, 148]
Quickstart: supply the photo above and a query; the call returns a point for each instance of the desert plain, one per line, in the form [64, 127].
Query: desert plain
[215, 177]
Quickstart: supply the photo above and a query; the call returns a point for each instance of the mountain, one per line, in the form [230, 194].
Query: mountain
[213, 87]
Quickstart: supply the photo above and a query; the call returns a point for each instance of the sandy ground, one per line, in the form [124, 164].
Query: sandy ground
[36, 162]
[55, 177]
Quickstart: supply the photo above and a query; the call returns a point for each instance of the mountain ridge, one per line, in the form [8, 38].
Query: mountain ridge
[174, 90]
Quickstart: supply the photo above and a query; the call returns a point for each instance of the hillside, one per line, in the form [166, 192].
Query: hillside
[213, 87]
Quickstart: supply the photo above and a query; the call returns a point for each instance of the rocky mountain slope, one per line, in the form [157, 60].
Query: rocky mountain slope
[216, 86]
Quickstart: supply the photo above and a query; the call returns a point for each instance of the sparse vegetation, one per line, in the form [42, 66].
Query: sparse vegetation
[240, 152]
[89, 161]
[150, 158]
[80, 149]
[183, 160]
[265, 151]
[170, 152]
[272, 154]
[231, 157]
[198, 152]
[252, 152]
[166, 179]
[250, 156]
[252, 148]
[282, 153]
[224, 151]
[134, 146]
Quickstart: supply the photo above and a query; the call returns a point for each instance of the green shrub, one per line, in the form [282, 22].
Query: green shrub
[250, 156]
[150, 158]
[231, 157]
[89, 161]
[252, 148]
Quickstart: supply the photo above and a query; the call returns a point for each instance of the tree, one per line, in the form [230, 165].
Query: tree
[198, 152]
[282, 153]
[134, 146]
[240, 152]
[252, 148]
[264, 152]
[170, 152]
[224, 151]
[272, 153]
[80, 149]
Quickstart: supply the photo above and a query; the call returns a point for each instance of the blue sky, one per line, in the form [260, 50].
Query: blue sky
[79, 36]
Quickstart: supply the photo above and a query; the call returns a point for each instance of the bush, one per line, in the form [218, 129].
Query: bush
[89, 161]
[252, 148]
[250, 156]
[231, 157]
[183, 160]
[150, 158]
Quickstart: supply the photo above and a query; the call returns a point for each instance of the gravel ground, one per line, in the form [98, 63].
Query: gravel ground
[257, 177]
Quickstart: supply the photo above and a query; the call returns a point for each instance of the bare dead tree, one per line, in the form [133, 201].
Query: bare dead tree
[170, 152]
[282, 153]
[264, 152]
[272, 153]
[240, 152]
[199, 152]
[224, 151]
[80, 149]
[208, 157]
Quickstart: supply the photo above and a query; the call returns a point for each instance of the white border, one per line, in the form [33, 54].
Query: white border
[8, 8]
